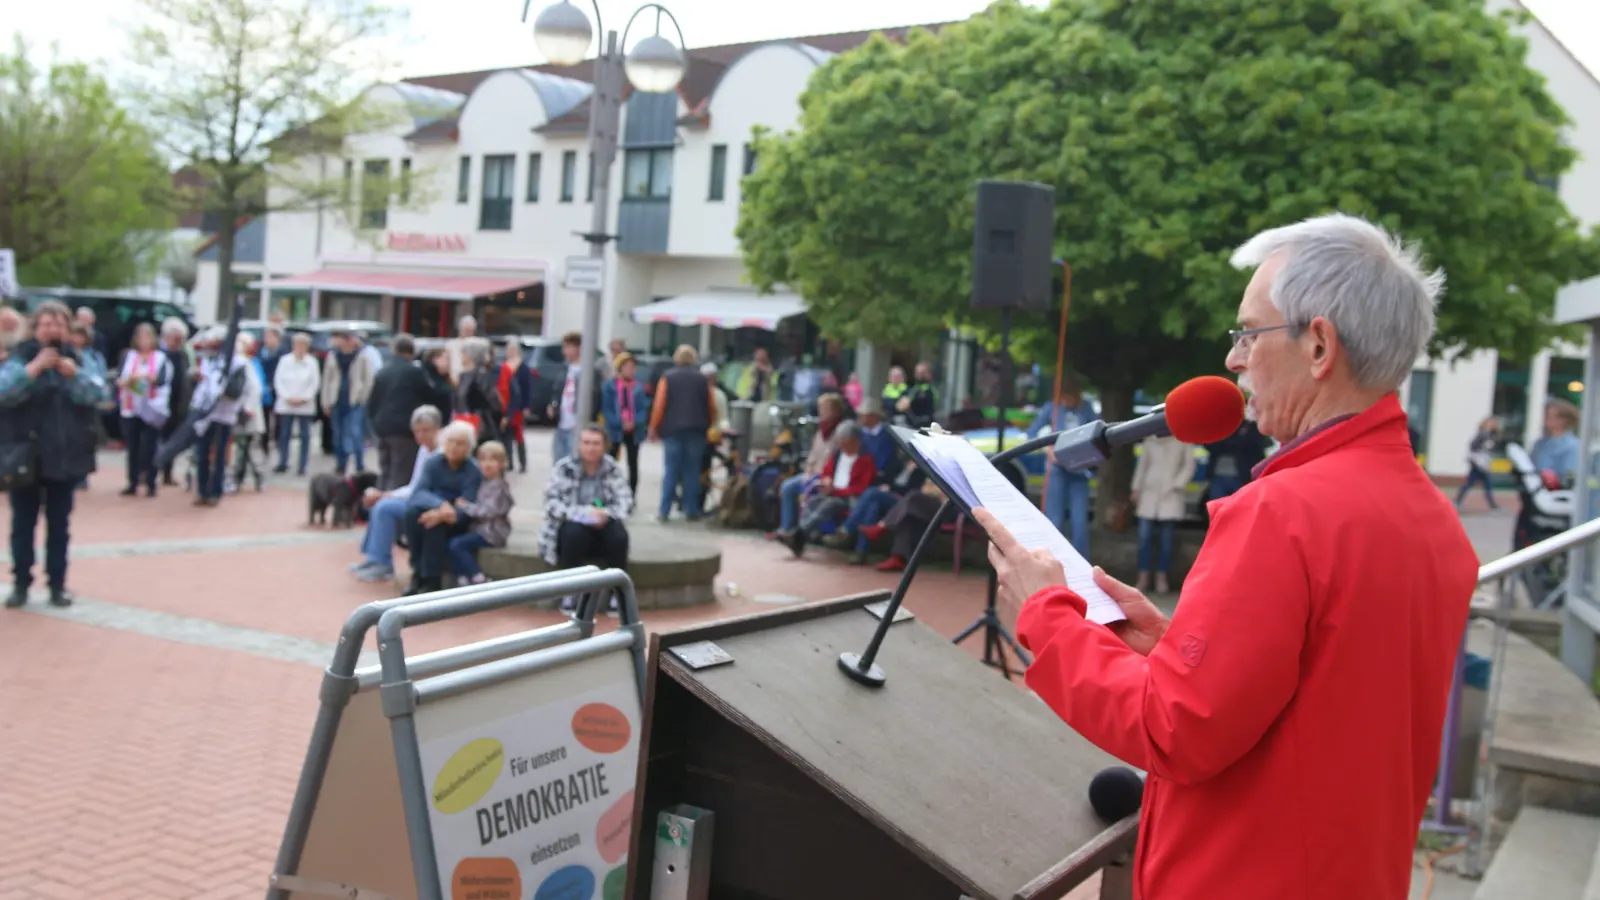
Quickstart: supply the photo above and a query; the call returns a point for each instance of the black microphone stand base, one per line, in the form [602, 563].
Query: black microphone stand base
[995, 636]
[871, 676]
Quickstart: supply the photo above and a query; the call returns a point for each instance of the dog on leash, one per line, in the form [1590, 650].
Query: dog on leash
[342, 495]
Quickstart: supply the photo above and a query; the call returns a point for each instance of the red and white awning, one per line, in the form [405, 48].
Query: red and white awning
[401, 284]
[722, 309]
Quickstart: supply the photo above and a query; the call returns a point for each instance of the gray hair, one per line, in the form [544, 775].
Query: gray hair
[477, 349]
[1372, 286]
[174, 325]
[466, 322]
[426, 414]
[462, 430]
[849, 428]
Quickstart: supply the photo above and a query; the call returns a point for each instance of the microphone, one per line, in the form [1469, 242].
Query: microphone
[1116, 793]
[1202, 410]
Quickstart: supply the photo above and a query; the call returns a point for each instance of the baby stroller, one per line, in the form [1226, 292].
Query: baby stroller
[1547, 510]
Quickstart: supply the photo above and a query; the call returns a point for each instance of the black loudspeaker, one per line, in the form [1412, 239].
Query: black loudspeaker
[1011, 245]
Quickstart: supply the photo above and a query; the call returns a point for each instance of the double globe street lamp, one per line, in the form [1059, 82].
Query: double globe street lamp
[563, 34]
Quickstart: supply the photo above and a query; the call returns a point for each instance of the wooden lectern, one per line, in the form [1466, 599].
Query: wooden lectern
[945, 782]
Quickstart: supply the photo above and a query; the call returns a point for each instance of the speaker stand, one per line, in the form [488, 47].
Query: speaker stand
[995, 636]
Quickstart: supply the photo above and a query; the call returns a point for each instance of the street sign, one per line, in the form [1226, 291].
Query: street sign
[8, 273]
[585, 273]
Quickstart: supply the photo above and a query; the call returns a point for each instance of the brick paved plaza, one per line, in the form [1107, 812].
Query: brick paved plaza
[151, 735]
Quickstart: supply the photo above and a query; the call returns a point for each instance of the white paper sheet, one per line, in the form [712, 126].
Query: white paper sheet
[968, 472]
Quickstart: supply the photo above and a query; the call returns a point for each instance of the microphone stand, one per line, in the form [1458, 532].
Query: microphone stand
[862, 667]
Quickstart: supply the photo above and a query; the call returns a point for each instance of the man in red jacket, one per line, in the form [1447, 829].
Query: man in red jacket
[1289, 714]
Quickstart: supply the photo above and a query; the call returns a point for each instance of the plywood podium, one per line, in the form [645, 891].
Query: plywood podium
[945, 782]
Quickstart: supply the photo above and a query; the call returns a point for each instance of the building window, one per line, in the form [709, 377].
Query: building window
[534, 168]
[647, 174]
[749, 159]
[349, 181]
[569, 174]
[588, 190]
[499, 175]
[719, 171]
[405, 181]
[375, 194]
[464, 180]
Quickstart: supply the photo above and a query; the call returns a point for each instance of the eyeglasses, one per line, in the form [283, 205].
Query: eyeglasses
[1243, 338]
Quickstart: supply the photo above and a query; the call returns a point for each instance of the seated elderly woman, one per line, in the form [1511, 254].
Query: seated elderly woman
[387, 509]
[845, 476]
[432, 517]
[585, 506]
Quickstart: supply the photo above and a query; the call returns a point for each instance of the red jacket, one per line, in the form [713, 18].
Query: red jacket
[862, 473]
[1290, 718]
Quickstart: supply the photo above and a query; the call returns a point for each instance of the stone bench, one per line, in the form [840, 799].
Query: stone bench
[667, 569]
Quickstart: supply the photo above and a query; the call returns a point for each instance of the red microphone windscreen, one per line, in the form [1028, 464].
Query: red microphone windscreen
[1205, 410]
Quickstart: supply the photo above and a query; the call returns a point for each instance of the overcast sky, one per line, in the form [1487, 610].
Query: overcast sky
[460, 35]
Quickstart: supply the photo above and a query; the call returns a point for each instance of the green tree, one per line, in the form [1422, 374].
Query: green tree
[1171, 131]
[241, 88]
[82, 188]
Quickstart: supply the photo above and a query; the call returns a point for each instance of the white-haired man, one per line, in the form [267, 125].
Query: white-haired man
[1309, 661]
[466, 330]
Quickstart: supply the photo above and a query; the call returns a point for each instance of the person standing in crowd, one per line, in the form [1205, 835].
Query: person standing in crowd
[466, 330]
[225, 376]
[47, 444]
[267, 355]
[346, 382]
[432, 517]
[608, 363]
[854, 393]
[515, 387]
[586, 506]
[94, 366]
[1160, 498]
[893, 390]
[1066, 493]
[1310, 659]
[1557, 450]
[97, 340]
[11, 330]
[680, 418]
[758, 382]
[174, 334]
[387, 509]
[921, 403]
[252, 423]
[398, 390]
[296, 381]
[564, 410]
[1232, 460]
[830, 412]
[436, 367]
[145, 385]
[477, 396]
[626, 409]
[1480, 456]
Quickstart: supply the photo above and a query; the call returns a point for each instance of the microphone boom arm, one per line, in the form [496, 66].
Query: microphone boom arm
[861, 667]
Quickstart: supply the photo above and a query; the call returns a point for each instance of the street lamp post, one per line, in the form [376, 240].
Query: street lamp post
[562, 32]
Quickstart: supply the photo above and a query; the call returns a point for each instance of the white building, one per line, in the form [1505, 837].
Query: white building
[1447, 402]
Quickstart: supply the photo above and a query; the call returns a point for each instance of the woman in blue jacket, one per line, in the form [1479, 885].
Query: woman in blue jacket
[626, 408]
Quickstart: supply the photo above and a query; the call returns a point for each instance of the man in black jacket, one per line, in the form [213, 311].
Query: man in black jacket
[398, 389]
[173, 335]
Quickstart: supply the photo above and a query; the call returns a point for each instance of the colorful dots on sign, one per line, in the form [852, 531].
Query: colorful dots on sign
[601, 727]
[570, 883]
[616, 882]
[467, 775]
[486, 879]
[613, 831]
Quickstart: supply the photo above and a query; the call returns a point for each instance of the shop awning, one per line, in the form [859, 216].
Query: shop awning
[401, 284]
[723, 309]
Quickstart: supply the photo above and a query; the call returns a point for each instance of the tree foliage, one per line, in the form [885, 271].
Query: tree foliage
[230, 83]
[1171, 131]
[82, 187]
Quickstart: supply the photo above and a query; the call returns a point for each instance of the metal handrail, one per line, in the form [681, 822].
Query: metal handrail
[1534, 553]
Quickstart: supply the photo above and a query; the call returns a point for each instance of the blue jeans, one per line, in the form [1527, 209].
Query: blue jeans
[683, 452]
[1225, 486]
[286, 426]
[789, 502]
[464, 554]
[56, 498]
[349, 436]
[212, 451]
[869, 510]
[383, 524]
[1148, 531]
[561, 444]
[1066, 501]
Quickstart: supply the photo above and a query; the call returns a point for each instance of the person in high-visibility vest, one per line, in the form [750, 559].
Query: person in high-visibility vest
[893, 391]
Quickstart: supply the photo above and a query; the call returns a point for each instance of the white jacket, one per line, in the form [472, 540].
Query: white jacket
[250, 403]
[297, 379]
